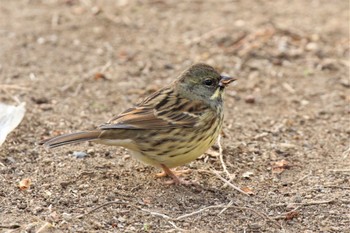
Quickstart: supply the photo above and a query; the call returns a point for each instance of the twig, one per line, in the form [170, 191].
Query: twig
[260, 214]
[8, 86]
[340, 170]
[336, 186]
[221, 156]
[292, 214]
[229, 184]
[225, 207]
[305, 203]
[317, 202]
[44, 227]
[106, 66]
[303, 178]
[228, 206]
[176, 227]
[289, 88]
[157, 214]
[207, 35]
[199, 211]
[285, 215]
[346, 153]
[170, 219]
[224, 167]
[13, 226]
[55, 20]
[99, 207]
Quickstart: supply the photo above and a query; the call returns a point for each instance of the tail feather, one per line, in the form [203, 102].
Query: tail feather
[70, 138]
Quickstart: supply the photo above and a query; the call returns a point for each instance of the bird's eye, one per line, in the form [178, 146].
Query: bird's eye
[208, 82]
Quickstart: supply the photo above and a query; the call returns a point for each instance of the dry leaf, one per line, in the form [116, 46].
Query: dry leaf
[247, 190]
[100, 76]
[280, 166]
[24, 184]
[291, 215]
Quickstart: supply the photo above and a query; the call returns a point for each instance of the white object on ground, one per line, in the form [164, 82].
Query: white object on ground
[10, 117]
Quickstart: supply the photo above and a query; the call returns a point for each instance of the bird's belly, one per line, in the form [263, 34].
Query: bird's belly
[176, 151]
[186, 155]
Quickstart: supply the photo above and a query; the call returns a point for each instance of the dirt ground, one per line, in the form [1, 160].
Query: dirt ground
[286, 133]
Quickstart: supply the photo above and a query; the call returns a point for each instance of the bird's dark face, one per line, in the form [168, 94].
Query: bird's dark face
[203, 82]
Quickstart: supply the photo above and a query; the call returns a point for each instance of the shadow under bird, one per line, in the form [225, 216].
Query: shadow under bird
[169, 128]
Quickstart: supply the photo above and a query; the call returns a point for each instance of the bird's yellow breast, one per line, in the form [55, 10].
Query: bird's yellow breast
[179, 146]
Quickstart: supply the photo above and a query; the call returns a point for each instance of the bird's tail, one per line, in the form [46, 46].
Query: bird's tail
[70, 138]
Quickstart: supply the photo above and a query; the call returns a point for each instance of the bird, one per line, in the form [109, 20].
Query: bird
[169, 128]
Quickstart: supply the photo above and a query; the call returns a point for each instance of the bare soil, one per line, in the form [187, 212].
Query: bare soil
[286, 132]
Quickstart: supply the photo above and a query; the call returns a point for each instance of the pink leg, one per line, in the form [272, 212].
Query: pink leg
[173, 175]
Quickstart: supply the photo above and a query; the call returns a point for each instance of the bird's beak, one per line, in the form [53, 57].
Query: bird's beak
[225, 80]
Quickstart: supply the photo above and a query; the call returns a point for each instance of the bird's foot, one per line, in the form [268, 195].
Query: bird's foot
[174, 174]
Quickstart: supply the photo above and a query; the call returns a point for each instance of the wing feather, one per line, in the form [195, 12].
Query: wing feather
[163, 109]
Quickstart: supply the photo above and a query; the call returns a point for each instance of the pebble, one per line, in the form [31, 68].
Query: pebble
[254, 226]
[121, 219]
[249, 99]
[311, 46]
[287, 145]
[11, 160]
[345, 83]
[41, 40]
[66, 216]
[247, 174]
[91, 151]
[37, 210]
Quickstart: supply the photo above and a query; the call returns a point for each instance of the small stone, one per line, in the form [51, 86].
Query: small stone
[345, 83]
[37, 210]
[255, 226]
[41, 40]
[239, 23]
[312, 46]
[287, 146]
[66, 216]
[247, 174]
[99, 51]
[91, 151]
[298, 199]
[249, 99]
[47, 193]
[95, 10]
[186, 224]
[304, 102]
[11, 160]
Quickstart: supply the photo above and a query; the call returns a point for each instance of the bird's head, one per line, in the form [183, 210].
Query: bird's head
[203, 82]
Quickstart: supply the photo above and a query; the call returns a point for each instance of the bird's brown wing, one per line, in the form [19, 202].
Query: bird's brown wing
[163, 109]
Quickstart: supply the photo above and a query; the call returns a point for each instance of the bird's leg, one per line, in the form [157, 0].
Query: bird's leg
[174, 171]
[173, 174]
